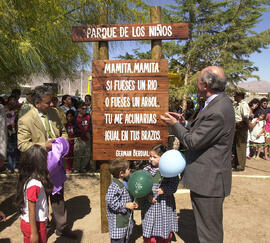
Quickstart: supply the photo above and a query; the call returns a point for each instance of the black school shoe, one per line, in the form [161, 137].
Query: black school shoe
[66, 233]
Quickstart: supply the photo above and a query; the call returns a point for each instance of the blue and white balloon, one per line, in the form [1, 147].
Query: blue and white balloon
[172, 163]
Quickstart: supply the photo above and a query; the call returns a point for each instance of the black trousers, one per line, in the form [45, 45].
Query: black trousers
[59, 211]
[208, 212]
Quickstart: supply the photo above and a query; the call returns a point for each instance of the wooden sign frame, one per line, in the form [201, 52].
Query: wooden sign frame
[128, 98]
[79, 34]
[122, 32]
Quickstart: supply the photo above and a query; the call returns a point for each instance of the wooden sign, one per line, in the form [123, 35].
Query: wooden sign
[120, 32]
[128, 98]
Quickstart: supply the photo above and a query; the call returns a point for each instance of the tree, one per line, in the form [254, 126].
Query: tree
[137, 55]
[35, 35]
[220, 34]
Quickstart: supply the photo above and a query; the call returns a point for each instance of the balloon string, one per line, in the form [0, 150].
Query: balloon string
[162, 177]
[129, 221]
[161, 181]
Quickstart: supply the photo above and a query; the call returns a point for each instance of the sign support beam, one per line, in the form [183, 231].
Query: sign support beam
[156, 45]
[101, 52]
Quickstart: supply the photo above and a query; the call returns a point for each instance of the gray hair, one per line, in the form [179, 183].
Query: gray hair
[39, 93]
[216, 82]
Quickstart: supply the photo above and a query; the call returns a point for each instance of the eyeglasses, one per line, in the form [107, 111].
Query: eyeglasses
[83, 108]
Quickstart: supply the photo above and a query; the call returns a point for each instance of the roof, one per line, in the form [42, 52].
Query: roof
[258, 86]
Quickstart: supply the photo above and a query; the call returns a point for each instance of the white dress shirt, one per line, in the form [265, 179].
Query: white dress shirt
[43, 121]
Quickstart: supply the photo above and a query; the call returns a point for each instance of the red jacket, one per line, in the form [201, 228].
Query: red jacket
[83, 126]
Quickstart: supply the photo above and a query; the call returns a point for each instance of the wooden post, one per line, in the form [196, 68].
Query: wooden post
[95, 51]
[156, 45]
[102, 52]
[105, 180]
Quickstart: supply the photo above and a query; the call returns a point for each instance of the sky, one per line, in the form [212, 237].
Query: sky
[261, 60]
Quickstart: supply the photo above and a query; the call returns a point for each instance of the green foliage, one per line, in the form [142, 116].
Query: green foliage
[35, 35]
[136, 55]
[220, 34]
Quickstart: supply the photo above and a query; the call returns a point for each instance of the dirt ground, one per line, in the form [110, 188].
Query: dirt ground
[246, 210]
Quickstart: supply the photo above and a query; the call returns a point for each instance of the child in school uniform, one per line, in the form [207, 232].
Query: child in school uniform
[257, 133]
[119, 203]
[159, 217]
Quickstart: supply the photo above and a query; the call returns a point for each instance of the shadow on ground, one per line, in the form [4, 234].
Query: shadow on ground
[63, 239]
[5, 240]
[187, 226]
[77, 208]
[9, 209]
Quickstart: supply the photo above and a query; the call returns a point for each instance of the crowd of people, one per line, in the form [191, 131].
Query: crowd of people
[252, 132]
[75, 115]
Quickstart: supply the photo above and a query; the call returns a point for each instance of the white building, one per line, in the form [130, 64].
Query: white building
[76, 84]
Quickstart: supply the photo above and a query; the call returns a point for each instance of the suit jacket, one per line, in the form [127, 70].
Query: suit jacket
[32, 131]
[209, 140]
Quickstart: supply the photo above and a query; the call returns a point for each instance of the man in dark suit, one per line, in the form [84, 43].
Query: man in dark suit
[41, 125]
[208, 140]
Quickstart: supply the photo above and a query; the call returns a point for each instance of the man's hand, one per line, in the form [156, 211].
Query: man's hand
[171, 118]
[48, 144]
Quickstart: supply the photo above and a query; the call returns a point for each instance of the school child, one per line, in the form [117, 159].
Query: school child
[159, 217]
[71, 130]
[82, 145]
[257, 133]
[32, 189]
[119, 203]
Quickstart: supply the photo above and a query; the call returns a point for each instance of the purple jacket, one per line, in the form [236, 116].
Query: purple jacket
[60, 148]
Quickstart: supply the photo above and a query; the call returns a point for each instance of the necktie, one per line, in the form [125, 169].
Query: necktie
[47, 126]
